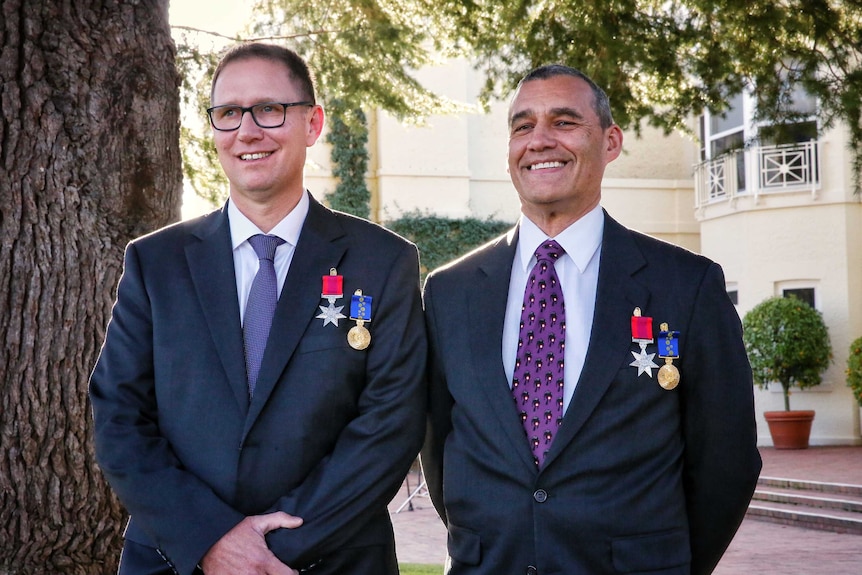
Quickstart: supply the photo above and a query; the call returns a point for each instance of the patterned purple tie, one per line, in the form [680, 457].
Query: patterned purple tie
[260, 307]
[537, 383]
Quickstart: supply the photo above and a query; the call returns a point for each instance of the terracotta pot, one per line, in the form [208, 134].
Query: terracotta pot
[789, 429]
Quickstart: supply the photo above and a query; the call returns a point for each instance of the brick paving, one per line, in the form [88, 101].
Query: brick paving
[420, 536]
[760, 547]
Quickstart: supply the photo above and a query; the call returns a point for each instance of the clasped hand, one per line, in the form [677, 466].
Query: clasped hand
[243, 549]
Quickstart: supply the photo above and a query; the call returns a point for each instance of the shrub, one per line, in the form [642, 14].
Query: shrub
[787, 342]
[441, 240]
[854, 370]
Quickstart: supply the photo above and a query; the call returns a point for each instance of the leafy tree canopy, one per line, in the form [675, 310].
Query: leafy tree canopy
[663, 60]
[659, 60]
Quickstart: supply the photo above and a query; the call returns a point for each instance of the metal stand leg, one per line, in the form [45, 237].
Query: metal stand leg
[420, 491]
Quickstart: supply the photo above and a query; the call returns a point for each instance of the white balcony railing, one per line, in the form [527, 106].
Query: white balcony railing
[759, 170]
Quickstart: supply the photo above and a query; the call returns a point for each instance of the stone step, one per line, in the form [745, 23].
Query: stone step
[834, 521]
[835, 507]
[819, 486]
[848, 503]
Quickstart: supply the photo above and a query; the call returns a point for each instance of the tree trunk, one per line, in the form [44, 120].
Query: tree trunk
[89, 159]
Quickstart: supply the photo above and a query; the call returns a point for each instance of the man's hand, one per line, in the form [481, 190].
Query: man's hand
[243, 550]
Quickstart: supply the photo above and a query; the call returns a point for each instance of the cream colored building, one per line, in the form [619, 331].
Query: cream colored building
[776, 218]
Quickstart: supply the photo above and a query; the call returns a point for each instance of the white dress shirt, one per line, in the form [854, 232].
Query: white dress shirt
[245, 260]
[578, 270]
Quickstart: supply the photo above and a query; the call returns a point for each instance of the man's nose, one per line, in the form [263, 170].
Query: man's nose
[542, 137]
[247, 126]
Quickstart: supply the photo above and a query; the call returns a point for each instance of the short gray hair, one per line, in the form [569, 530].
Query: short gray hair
[601, 103]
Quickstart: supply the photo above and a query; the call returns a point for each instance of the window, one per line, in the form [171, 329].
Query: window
[727, 136]
[732, 292]
[801, 125]
[795, 133]
[734, 296]
[739, 154]
[802, 294]
[788, 154]
[729, 120]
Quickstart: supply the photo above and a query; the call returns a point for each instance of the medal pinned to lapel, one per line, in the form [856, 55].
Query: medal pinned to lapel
[360, 311]
[331, 291]
[668, 349]
[642, 335]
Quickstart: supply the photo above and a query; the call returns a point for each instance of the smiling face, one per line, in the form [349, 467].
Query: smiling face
[558, 150]
[264, 165]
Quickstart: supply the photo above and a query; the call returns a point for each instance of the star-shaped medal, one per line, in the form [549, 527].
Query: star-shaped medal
[643, 361]
[332, 314]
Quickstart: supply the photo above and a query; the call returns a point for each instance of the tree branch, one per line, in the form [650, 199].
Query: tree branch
[256, 39]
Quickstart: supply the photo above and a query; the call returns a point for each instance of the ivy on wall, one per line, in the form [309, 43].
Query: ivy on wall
[348, 136]
[441, 240]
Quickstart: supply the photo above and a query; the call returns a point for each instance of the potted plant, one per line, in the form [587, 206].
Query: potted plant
[787, 342]
[854, 370]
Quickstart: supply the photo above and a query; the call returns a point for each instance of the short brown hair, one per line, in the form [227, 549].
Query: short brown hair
[296, 66]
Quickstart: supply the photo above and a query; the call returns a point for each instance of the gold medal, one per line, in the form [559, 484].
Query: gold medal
[359, 337]
[668, 349]
[360, 311]
[668, 375]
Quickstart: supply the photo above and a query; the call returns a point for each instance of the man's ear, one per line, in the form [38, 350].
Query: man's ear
[614, 138]
[315, 125]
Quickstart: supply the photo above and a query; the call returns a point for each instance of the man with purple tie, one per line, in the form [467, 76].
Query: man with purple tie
[549, 451]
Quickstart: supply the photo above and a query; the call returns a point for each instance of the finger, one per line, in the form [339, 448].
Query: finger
[276, 567]
[285, 520]
[277, 520]
[281, 569]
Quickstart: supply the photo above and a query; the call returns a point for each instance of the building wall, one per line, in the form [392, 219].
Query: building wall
[800, 239]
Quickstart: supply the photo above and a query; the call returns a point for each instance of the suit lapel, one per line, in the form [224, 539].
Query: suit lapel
[210, 261]
[616, 297]
[487, 307]
[316, 252]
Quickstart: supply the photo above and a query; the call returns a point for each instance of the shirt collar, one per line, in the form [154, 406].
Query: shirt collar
[581, 239]
[288, 229]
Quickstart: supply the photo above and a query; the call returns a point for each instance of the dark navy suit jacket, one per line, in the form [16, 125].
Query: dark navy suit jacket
[638, 479]
[330, 431]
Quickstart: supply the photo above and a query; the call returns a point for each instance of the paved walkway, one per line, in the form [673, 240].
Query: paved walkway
[759, 548]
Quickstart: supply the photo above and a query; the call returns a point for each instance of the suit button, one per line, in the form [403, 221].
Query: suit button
[540, 496]
[532, 570]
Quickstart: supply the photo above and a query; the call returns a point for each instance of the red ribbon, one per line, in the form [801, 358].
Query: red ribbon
[332, 285]
[641, 328]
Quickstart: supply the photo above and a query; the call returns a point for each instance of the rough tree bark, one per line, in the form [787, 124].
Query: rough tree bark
[89, 159]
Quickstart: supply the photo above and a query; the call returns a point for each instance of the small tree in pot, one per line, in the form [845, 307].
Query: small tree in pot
[854, 370]
[787, 342]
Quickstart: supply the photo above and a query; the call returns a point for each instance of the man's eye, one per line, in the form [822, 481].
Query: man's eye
[227, 112]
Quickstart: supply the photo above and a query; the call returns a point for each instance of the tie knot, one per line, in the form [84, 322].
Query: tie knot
[264, 245]
[549, 250]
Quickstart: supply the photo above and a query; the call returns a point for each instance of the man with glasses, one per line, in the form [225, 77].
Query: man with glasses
[258, 399]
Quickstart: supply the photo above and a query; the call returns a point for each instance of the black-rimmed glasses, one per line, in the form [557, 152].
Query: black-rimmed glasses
[266, 115]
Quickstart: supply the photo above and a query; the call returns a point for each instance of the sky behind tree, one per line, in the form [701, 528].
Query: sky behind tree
[225, 17]
[221, 16]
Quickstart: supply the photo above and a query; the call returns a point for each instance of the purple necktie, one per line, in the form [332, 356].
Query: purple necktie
[260, 306]
[537, 383]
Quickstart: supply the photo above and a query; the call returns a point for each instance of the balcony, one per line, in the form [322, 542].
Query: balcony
[758, 170]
